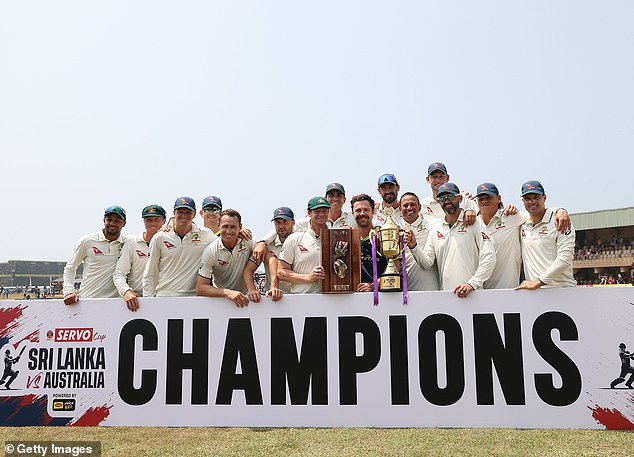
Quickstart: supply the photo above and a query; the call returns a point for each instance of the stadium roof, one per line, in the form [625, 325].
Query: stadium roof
[608, 218]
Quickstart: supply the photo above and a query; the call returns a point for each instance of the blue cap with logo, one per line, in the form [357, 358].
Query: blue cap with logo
[212, 200]
[115, 210]
[487, 188]
[335, 186]
[283, 212]
[185, 202]
[448, 188]
[532, 187]
[436, 166]
[387, 178]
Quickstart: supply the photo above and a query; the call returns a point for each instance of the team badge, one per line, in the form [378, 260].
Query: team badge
[302, 248]
[168, 245]
[440, 236]
[140, 253]
[96, 251]
[222, 263]
[485, 237]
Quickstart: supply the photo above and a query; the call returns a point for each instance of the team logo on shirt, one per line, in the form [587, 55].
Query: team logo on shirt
[380, 218]
[140, 253]
[462, 229]
[429, 210]
[523, 234]
[440, 235]
[485, 237]
[168, 245]
[96, 251]
[222, 263]
[543, 231]
[195, 238]
[302, 248]
[499, 225]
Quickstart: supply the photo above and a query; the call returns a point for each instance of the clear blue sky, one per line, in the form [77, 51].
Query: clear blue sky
[265, 103]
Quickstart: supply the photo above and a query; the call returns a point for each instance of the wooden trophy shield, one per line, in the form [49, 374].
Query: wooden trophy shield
[341, 259]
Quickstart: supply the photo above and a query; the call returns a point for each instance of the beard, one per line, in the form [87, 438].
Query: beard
[362, 221]
[449, 208]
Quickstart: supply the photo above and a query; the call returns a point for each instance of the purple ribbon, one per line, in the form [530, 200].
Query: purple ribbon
[403, 269]
[374, 267]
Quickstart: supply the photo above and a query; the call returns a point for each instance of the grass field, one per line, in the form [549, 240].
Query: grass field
[154, 441]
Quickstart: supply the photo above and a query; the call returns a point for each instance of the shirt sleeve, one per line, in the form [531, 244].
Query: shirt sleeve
[206, 269]
[122, 269]
[486, 256]
[565, 254]
[425, 256]
[150, 275]
[76, 258]
[287, 254]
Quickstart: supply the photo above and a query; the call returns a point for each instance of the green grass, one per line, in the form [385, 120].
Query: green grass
[155, 441]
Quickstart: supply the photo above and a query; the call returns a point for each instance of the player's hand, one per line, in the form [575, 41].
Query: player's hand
[238, 298]
[510, 210]
[409, 239]
[463, 290]
[71, 299]
[469, 217]
[245, 234]
[131, 300]
[254, 296]
[365, 287]
[259, 252]
[275, 293]
[562, 220]
[318, 273]
[530, 285]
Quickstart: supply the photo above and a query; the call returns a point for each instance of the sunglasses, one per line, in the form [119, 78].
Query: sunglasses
[211, 209]
[444, 198]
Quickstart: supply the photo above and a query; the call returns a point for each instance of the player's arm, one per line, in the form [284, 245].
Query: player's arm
[253, 294]
[204, 289]
[286, 273]
[274, 291]
[120, 275]
[76, 258]
[150, 275]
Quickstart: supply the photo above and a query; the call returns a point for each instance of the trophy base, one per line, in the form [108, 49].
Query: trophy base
[390, 283]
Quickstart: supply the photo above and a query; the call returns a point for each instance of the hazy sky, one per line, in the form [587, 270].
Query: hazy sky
[263, 103]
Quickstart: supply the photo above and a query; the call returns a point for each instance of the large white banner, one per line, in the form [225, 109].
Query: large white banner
[529, 359]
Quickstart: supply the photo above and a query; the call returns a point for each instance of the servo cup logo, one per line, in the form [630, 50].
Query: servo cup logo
[73, 335]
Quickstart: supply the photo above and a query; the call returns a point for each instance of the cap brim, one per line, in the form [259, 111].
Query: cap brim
[286, 218]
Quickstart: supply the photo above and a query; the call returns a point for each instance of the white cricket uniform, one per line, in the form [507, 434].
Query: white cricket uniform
[302, 251]
[505, 232]
[380, 217]
[128, 273]
[419, 278]
[99, 257]
[548, 253]
[173, 264]
[275, 247]
[225, 266]
[465, 254]
[430, 207]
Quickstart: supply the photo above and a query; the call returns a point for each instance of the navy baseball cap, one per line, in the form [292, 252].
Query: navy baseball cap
[185, 202]
[318, 202]
[212, 200]
[448, 188]
[387, 178]
[115, 210]
[153, 210]
[283, 212]
[487, 188]
[336, 186]
[436, 166]
[532, 187]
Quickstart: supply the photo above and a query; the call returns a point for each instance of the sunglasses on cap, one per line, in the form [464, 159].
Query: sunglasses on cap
[446, 197]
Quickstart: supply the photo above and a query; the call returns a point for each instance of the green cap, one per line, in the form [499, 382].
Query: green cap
[153, 210]
[317, 202]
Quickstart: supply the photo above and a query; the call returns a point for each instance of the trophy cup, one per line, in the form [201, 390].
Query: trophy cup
[341, 259]
[390, 242]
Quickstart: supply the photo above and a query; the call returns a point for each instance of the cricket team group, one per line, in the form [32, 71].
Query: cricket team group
[453, 240]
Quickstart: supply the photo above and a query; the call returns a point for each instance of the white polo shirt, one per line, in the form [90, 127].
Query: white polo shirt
[548, 253]
[419, 278]
[302, 251]
[275, 247]
[431, 208]
[505, 232]
[464, 254]
[128, 273]
[225, 266]
[173, 264]
[99, 257]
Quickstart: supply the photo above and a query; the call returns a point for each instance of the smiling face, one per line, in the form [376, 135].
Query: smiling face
[488, 204]
[183, 218]
[210, 215]
[450, 203]
[362, 211]
[437, 179]
[229, 228]
[153, 224]
[113, 224]
[318, 218]
[336, 199]
[535, 204]
[389, 192]
[283, 227]
[410, 208]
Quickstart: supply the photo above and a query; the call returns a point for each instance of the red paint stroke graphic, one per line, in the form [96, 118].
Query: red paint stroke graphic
[611, 418]
[9, 320]
[92, 416]
[33, 337]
